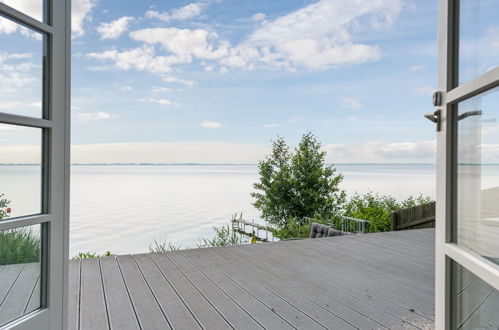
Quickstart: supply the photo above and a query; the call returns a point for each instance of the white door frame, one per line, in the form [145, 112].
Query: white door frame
[446, 249]
[55, 124]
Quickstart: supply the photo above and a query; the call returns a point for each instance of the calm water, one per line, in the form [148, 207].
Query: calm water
[124, 208]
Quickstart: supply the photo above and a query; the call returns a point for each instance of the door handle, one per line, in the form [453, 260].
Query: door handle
[435, 117]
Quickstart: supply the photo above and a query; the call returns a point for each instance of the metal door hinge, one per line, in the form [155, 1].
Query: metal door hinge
[435, 117]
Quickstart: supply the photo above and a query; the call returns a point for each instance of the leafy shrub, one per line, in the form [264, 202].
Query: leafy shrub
[292, 229]
[378, 209]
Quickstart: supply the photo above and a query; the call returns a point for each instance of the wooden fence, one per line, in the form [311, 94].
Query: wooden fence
[416, 217]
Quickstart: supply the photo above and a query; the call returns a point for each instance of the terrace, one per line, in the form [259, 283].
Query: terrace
[373, 281]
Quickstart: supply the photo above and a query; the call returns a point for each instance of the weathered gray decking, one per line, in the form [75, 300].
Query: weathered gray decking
[19, 290]
[373, 281]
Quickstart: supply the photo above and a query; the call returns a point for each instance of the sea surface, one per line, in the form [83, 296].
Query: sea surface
[123, 209]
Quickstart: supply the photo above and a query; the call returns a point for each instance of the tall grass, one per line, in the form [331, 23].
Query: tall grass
[223, 236]
[19, 246]
[163, 247]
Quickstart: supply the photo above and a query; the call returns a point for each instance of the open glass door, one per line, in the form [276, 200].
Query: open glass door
[34, 135]
[467, 230]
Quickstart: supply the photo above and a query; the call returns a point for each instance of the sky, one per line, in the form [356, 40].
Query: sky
[215, 81]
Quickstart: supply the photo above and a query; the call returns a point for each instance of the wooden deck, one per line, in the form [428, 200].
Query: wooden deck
[19, 290]
[374, 281]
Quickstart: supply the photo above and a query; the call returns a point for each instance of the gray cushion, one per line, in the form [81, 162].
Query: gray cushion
[318, 230]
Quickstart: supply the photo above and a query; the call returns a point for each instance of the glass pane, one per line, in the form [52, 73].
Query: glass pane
[33, 8]
[20, 170]
[475, 303]
[478, 38]
[21, 69]
[19, 272]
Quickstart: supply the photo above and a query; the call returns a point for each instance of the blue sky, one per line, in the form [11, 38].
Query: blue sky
[214, 81]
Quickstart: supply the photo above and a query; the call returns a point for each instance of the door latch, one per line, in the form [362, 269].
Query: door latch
[435, 117]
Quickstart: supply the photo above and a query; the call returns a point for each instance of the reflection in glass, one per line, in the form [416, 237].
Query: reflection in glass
[33, 8]
[21, 69]
[478, 174]
[19, 272]
[20, 170]
[478, 38]
[475, 303]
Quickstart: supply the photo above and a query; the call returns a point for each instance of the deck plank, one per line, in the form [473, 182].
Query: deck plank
[374, 281]
[356, 296]
[16, 300]
[74, 295]
[232, 312]
[120, 309]
[307, 306]
[93, 313]
[208, 316]
[265, 315]
[171, 304]
[337, 315]
[145, 305]
[279, 305]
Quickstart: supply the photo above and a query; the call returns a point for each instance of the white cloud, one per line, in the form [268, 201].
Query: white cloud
[126, 88]
[93, 116]
[161, 89]
[16, 72]
[417, 67]
[184, 43]
[423, 90]
[258, 17]
[382, 152]
[114, 29]
[296, 118]
[165, 102]
[80, 13]
[318, 36]
[6, 105]
[183, 13]
[211, 124]
[271, 125]
[350, 103]
[143, 59]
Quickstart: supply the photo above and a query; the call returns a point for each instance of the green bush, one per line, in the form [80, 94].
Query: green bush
[378, 209]
[292, 229]
[19, 246]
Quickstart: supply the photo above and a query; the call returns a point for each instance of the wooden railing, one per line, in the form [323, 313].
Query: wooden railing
[417, 217]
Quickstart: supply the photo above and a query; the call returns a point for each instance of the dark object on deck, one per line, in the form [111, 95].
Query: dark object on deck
[417, 217]
[318, 230]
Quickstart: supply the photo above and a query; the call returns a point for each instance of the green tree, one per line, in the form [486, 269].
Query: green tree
[297, 185]
[378, 208]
